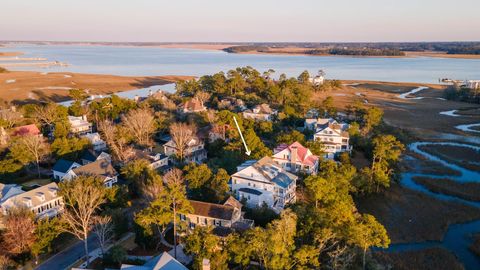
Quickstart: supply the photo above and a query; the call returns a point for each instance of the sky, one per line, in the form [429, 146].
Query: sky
[240, 21]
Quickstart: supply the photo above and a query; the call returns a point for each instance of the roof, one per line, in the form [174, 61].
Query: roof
[49, 192]
[212, 210]
[282, 180]
[100, 167]
[233, 202]
[264, 108]
[251, 191]
[193, 105]
[303, 154]
[161, 262]
[26, 130]
[9, 190]
[90, 155]
[63, 165]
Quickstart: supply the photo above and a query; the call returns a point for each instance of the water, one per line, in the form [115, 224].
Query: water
[457, 238]
[149, 61]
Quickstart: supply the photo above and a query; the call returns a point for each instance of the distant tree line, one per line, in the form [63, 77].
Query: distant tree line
[464, 94]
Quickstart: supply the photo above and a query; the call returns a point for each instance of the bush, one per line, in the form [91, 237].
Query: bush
[115, 256]
[3, 70]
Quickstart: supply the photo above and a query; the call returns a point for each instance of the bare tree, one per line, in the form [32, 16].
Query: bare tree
[103, 229]
[83, 197]
[117, 143]
[30, 148]
[141, 124]
[47, 114]
[19, 234]
[4, 262]
[202, 96]
[181, 134]
[9, 117]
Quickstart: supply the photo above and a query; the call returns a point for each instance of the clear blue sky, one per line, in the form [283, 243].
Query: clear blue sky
[243, 20]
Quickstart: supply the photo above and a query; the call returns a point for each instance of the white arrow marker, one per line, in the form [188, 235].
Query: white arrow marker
[241, 136]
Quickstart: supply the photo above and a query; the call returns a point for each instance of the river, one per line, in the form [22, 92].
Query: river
[149, 61]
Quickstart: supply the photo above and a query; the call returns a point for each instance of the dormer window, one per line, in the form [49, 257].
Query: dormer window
[53, 191]
[27, 201]
[41, 196]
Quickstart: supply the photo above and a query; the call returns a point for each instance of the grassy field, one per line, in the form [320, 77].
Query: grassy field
[411, 216]
[465, 157]
[418, 163]
[466, 191]
[27, 86]
[432, 258]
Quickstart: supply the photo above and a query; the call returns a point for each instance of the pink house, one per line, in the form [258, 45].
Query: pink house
[295, 158]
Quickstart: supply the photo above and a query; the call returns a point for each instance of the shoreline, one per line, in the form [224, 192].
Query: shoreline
[31, 86]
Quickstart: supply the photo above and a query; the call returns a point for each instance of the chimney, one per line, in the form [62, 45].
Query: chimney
[206, 264]
[294, 154]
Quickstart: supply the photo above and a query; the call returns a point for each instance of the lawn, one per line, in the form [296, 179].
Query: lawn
[466, 191]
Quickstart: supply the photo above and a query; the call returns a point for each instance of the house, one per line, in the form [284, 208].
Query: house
[156, 160]
[194, 152]
[261, 112]
[193, 105]
[472, 84]
[3, 136]
[28, 130]
[264, 182]
[43, 201]
[97, 143]
[296, 158]
[9, 190]
[232, 104]
[79, 125]
[90, 155]
[160, 262]
[227, 216]
[333, 135]
[317, 80]
[101, 168]
[61, 168]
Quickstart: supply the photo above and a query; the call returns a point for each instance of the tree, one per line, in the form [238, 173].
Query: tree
[219, 185]
[29, 148]
[141, 124]
[197, 175]
[304, 77]
[19, 234]
[141, 175]
[116, 255]
[83, 196]
[203, 244]
[78, 94]
[291, 137]
[103, 229]
[328, 107]
[170, 202]
[50, 113]
[46, 231]
[69, 148]
[116, 140]
[386, 150]
[371, 118]
[181, 134]
[368, 232]
[9, 117]
[202, 96]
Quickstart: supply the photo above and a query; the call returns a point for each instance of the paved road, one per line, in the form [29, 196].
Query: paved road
[67, 257]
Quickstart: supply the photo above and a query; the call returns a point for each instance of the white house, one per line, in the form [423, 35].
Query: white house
[317, 80]
[296, 158]
[195, 151]
[43, 201]
[97, 143]
[165, 261]
[102, 169]
[333, 135]
[264, 182]
[472, 84]
[156, 160]
[61, 168]
[261, 112]
[79, 125]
